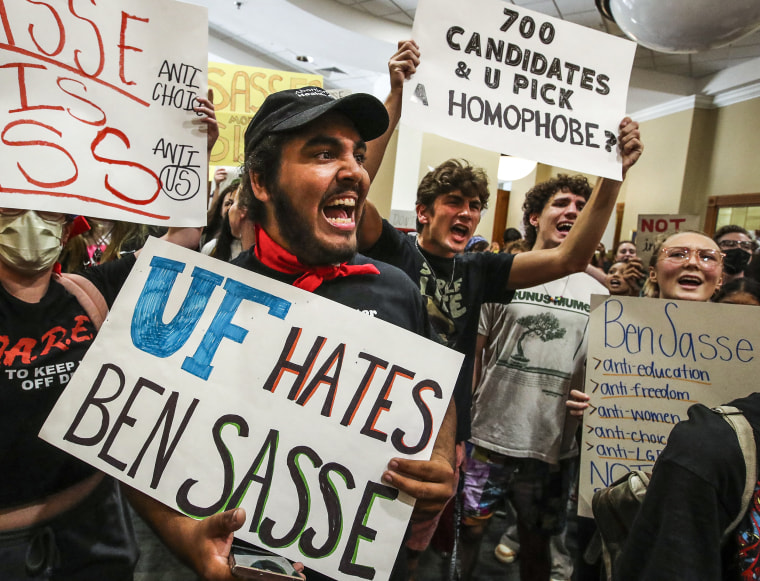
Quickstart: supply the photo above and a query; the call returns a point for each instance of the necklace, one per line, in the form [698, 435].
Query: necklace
[430, 266]
[557, 299]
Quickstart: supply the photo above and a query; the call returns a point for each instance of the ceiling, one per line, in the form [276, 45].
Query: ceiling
[350, 41]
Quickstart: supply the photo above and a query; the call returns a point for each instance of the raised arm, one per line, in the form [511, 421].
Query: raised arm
[540, 266]
[190, 237]
[401, 66]
[370, 227]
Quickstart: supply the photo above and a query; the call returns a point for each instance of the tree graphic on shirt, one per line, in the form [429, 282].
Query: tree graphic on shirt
[545, 326]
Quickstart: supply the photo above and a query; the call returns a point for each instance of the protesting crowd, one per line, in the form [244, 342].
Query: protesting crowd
[516, 308]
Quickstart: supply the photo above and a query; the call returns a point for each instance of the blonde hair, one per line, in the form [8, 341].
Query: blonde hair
[652, 289]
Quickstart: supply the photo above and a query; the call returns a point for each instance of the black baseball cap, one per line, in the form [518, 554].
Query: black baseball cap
[294, 108]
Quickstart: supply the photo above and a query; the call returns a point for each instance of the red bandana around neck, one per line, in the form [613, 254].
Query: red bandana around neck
[276, 257]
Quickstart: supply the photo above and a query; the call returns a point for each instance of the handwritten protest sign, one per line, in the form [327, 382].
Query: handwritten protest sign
[97, 112]
[239, 91]
[653, 226]
[648, 361]
[211, 387]
[519, 82]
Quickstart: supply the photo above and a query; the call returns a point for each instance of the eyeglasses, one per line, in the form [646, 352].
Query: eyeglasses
[707, 258]
[747, 245]
[56, 217]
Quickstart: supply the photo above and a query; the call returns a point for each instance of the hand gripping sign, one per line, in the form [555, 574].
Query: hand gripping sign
[211, 387]
[97, 109]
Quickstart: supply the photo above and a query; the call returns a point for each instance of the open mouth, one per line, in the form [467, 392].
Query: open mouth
[689, 282]
[340, 212]
[564, 227]
[614, 283]
[461, 231]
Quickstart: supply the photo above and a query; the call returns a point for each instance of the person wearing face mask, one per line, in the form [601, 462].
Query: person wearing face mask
[57, 514]
[737, 246]
[697, 482]
[60, 518]
[30, 241]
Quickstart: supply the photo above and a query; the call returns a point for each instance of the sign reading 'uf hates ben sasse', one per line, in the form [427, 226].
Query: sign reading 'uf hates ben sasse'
[211, 387]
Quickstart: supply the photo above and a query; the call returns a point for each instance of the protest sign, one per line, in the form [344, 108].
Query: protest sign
[504, 78]
[211, 387]
[239, 91]
[653, 226]
[649, 360]
[97, 107]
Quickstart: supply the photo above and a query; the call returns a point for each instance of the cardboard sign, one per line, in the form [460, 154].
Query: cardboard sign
[97, 112]
[649, 360]
[211, 387]
[653, 226]
[238, 93]
[519, 82]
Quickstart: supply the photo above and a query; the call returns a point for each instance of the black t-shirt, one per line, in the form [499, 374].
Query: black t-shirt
[454, 290]
[389, 296]
[694, 494]
[41, 345]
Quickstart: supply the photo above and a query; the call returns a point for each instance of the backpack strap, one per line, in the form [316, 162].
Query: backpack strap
[88, 295]
[746, 437]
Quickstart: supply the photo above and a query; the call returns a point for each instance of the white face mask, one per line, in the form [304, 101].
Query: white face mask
[29, 243]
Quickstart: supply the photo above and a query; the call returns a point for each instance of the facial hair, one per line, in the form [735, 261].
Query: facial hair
[300, 240]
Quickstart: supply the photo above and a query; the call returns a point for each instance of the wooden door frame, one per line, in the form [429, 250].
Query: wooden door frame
[715, 203]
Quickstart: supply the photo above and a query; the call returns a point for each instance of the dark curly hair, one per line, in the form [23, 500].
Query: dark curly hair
[452, 175]
[540, 194]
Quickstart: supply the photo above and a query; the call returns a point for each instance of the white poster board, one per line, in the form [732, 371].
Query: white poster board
[501, 77]
[653, 226]
[97, 112]
[648, 361]
[211, 387]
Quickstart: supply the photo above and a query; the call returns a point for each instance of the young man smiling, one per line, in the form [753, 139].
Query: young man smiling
[533, 352]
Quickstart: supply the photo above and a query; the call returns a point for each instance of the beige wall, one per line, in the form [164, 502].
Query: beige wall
[655, 183]
[735, 166]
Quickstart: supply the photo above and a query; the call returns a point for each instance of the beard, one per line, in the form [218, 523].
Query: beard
[301, 240]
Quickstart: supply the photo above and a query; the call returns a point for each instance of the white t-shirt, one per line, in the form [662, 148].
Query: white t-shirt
[534, 355]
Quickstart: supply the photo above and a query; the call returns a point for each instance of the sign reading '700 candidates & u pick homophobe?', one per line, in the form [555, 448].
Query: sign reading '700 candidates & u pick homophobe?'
[211, 387]
[498, 76]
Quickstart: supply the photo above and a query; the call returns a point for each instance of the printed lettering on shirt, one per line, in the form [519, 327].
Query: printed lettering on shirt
[23, 361]
[444, 303]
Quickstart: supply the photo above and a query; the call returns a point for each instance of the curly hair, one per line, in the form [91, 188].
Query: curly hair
[540, 194]
[452, 175]
[739, 285]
